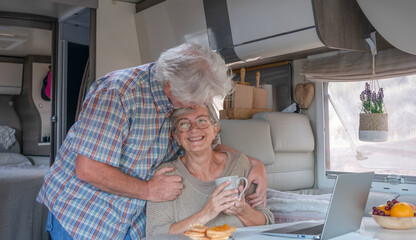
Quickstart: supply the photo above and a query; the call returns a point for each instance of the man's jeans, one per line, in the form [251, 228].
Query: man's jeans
[57, 232]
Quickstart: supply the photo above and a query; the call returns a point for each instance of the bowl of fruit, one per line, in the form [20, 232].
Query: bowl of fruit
[395, 215]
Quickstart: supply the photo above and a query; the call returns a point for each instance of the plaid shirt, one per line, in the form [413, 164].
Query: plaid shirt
[124, 123]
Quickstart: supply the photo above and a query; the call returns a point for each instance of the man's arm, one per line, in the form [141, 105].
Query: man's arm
[110, 179]
[257, 176]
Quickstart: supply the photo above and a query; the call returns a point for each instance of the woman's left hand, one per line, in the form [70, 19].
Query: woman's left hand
[239, 206]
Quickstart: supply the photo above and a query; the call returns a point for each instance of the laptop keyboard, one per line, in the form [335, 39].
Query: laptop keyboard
[310, 230]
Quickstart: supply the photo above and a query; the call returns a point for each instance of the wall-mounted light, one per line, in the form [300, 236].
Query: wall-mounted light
[10, 41]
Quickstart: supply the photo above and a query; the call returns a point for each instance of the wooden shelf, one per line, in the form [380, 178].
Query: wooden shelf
[240, 113]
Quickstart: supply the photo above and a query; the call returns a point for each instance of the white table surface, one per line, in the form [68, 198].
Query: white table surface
[368, 230]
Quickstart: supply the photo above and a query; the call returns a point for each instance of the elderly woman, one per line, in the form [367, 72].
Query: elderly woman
[195, 129]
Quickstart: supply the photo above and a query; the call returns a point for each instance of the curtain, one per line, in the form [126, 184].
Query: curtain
[357, 66]
[85, 84]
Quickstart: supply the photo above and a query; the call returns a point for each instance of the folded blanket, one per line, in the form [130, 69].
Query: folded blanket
[292, 205]
[271, 193]
[285, 217]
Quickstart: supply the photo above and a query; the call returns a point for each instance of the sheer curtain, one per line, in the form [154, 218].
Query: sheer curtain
[85, 84]
[357, 66]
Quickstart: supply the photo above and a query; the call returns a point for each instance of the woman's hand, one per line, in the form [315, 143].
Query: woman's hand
[239, 206]
[219, 201]
[247, 215]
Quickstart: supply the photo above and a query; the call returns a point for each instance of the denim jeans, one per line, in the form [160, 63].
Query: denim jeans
[57, 232]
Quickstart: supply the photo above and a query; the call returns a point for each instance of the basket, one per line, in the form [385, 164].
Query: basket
[373, 127]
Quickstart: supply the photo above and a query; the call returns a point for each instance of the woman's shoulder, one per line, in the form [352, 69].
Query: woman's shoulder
[238, 156]
[173, 163]
[240, 160]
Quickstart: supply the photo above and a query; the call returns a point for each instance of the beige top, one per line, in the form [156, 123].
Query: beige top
[195, 195]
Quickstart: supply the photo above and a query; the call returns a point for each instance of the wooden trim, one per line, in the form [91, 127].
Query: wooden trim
[26, 109]
[54, 80]
[26, 20]
[285, 57]
[147, 4]
[263, 66]
[341, 24]
[12, 59]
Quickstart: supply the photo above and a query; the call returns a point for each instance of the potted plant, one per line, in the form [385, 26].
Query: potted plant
[373, 119]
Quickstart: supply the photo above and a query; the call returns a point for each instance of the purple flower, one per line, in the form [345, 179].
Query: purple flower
[380, 95]
[362, 96]
[372, 102]
[368, 92]
[367, 86]
[374, 97]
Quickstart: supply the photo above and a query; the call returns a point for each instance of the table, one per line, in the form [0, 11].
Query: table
[369, 230]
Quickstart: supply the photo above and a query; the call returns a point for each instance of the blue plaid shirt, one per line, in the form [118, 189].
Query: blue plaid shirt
[124, 123]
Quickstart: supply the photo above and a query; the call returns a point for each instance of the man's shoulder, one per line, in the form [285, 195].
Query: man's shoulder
[123, 80]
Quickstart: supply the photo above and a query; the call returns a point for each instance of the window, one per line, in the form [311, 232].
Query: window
[393, 161]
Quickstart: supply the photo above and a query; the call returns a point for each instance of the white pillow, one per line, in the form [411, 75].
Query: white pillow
[13, 159]
[7, 138]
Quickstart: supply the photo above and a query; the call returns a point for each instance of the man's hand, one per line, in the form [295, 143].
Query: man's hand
[162, 187]
[257, 176]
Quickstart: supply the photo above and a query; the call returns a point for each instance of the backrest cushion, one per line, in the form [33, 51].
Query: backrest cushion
[290, 132]
[251, 137]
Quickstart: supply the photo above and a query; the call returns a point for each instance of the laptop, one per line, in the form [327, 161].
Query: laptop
[345, 211]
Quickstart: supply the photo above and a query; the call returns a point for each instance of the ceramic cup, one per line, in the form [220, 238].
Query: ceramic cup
[234, 183]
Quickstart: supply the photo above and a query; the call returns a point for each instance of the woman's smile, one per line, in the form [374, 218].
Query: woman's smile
[196, 139]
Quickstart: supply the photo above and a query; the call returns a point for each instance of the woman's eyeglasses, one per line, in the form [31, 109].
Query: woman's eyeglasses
[185, 125]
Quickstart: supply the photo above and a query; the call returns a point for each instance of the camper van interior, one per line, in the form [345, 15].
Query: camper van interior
[337, 83]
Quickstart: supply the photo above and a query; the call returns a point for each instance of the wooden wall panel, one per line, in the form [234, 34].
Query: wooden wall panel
[29, 116]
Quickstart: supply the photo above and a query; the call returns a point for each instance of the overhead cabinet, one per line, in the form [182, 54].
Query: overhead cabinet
[11, 78]
[253, 30]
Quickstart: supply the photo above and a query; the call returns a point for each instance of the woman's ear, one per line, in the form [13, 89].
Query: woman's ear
[175, 136]
[216, 128]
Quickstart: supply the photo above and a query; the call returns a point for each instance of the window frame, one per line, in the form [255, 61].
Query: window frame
[325, 179]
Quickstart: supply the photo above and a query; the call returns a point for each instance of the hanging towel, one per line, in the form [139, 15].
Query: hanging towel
[48, 85]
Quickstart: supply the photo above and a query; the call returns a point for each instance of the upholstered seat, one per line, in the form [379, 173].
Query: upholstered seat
[284, 142]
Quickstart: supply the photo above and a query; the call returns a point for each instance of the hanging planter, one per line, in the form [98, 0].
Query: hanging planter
[374, 127]
[373, 119]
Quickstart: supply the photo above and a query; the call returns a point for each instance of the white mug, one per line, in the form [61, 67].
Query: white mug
[234, 183]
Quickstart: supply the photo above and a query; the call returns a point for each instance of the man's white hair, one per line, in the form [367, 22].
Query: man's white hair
[196, 74]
